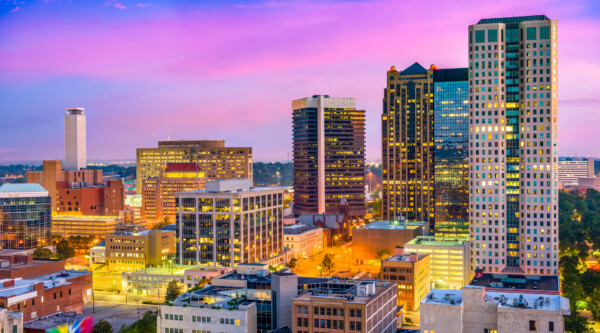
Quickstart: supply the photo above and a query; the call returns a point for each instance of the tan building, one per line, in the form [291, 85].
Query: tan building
[158, 193]
[365, 306]
[411, 273]
[303, 240]
[127, 251]
[218, 161]
[81, 225]
[384, 235]
[475, 309]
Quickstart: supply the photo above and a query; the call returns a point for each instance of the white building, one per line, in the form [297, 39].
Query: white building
[476, 310]
[197, 317]
[10, 322]
[569, 172]
[98, 253]
[449, 260]
[75, 139]
[303, 240]
[513, 145]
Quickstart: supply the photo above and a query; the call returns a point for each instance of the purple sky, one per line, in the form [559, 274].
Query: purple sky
[229, 70]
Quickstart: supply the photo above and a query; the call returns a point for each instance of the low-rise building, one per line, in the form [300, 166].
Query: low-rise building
[189, 312]
[449, 259]
[130, 251]
[303, 240]
[363, 306]
[475, 309]
[384, 235]
[98, 253]
[411, 272]
[10, 322]
[152, 281]
[570, 171]
[61, 322]
[105, 199]
[23, 266]
[195, 276]
[82, 225]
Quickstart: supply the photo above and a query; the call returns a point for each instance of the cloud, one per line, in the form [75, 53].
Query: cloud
[16, 9]
[120, 6]
[145, 5]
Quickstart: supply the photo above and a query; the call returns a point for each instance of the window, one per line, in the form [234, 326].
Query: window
[493, 35]
[544, 32]
[479, 36]
[551, 326]
[531, 33]
[532, 325]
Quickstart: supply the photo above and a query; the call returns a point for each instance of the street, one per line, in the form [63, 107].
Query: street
[117, 314]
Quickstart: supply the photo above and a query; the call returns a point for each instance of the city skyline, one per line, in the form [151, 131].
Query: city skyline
[144, 88]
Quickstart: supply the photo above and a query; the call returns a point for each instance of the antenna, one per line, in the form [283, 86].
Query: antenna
[169, 134]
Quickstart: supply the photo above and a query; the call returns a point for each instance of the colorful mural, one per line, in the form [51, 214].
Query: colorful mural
[82, 325]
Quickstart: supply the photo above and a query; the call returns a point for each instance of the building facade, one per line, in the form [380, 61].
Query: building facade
[75, 139]
[329, 155]
[194, 317]
[513, 145]
[10, 321]
[25, 217]
[411, 272]
[81, 225]
[303, 240]
[367, 306]
[449, 260]
[158, 193]
[569, 172]
[127, 251]
[80, 199]
[451, 153]
[229, 223]
[216, 160]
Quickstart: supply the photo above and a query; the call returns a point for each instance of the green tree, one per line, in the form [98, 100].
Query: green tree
[575, 323]
[166, 221]
[63, 249]
[203, 282]
[327, 264]
[102, 326]
[293, 263]
[382, 254]
[173, 290]
[42, 253]
[146, 324]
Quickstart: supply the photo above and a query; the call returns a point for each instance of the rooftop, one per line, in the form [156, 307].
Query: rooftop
[169, 227]
[518, 282]
[58, 319]
[22, 190]
[436, 240]
[394, 225]
[404, 258]
[514, 19]
[414, 69]
[352, 291]
[182, 167]
[297, 229]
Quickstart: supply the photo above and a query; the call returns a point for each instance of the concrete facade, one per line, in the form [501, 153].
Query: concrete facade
[11, 322]
[195, 318]
[126, 251]
[303, 240]
[412, 274]
[75, 139]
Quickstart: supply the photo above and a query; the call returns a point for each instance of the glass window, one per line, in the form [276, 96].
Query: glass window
[531, 35]
[544, 32]
[479, 36]
[492, 35]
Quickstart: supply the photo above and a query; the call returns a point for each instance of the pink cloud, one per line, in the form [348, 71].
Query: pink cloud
[120, 6]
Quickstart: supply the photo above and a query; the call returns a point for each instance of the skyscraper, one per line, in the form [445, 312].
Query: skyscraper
[513, 199]
[329, 155]
[424, 140]
[75, 146]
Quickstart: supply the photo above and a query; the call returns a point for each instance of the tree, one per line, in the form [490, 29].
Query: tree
[327, 264]
[173, 290]
[166, 221]
[42, 253]
[272, 268]
[293, 263]
[203, 282]
[575, 323]
[382, 254]
[63, 249]
[145, 325]
[102, 326]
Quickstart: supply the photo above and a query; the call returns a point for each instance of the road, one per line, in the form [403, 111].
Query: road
[117, 314]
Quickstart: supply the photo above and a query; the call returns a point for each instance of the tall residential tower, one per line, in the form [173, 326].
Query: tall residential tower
[329, 155]
[75, 144]
[513, 96]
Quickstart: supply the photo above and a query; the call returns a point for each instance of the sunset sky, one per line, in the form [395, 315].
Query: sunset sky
[230, 69]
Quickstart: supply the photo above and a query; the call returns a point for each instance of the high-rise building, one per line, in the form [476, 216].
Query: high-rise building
[25, 217]
[424, 140]
[329, 155]
[75, 139]
[216, 160]
[570, 171]
[513, 145]
[229, 223]
[158, 193]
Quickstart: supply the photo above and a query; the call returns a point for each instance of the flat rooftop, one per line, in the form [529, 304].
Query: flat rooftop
[394, 225]
[297, 229]
[54, 320]
[435, 240]
[518, 282]
[404, 258]
[345, 289]
[22, 190]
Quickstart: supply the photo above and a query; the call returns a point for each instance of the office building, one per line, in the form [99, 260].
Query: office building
[81, 225]
[189, 313]
[364, 306]
[11, 321]
[75, 139]
[131, 251]
[25, 217]
[424, 140]
[367, 241]
[449, 260]
[569, 171]
[98, 253]
[152, 281]
[303, 240]
[228, 223]
[329, 155]
[158, 193]
[216, 160]
[411, 272]
[451, 154]
[500, 303]
[513, 145]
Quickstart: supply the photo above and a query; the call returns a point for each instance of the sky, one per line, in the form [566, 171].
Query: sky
[145, 70]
